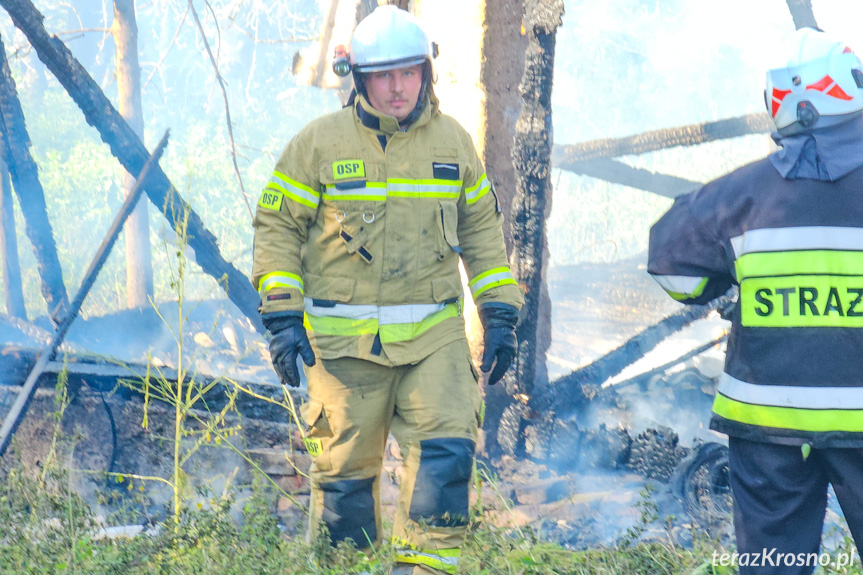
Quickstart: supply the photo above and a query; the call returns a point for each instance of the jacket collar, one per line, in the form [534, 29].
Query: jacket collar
[824, 155]
[380, 122]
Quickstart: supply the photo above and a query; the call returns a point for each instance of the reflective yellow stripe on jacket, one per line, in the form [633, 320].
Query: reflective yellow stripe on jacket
[682, 287]
[395, 322]
[808, 276]
[280, 279]
[364, 192]
[404, 188]
[399, 188]
[475, 192]
[294, 190]
[803, 408]
[489, 279]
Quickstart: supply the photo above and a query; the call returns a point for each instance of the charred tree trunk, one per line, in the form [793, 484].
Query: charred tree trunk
[132, 154]
[139, 260]
[565, 156]
[504, 47]
[31, 196]
[801, 11]
[12, 291]
[532, 161]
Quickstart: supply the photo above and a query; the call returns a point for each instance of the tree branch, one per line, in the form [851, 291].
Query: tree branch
[168, 51]
[221, 82]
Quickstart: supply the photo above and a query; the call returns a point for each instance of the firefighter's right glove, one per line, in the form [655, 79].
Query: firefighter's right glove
[499, 344]
[289, 340]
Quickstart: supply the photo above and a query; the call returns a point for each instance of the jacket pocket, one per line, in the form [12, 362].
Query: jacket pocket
[446, 289]
[317, 432]
[447, 224]
[329, 289]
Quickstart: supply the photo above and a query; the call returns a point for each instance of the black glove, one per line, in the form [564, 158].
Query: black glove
[499, 321]
[289, 340]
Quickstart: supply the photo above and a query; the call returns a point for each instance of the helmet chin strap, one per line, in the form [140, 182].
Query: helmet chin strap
[415, 113]
[359, 84]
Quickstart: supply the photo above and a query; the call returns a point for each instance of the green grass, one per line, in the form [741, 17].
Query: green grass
[49, 529]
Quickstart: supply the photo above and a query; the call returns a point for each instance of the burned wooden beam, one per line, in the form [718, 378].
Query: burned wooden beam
[564, 156]
[130, 151]
[801, 12]
[15, 151]
[566, 395]
[531, 157]
[570, 394]
[617, 172]
[96, 374]
[12, 290]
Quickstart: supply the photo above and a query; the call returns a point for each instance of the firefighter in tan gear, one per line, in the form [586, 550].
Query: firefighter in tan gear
[358, 236]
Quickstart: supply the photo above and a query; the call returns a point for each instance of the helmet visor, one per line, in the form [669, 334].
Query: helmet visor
[390, 65]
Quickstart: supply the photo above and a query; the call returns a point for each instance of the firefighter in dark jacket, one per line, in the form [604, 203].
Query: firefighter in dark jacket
[358, 239]
[788, 230]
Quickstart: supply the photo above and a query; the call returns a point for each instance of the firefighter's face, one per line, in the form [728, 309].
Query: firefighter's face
[395, 92]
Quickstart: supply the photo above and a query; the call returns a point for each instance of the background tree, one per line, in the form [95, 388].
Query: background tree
[139, 265]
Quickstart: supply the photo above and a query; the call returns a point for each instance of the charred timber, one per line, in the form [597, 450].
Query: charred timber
[617, 172]
[565, 156]
[532, 428]
[801, 12]
[95, 374]
[500, 75]
[531, 156]
[130, 151]
[567, 395]
[28, 390]
[15, 150]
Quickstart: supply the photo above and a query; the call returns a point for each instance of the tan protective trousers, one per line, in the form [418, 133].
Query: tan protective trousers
[433, 410]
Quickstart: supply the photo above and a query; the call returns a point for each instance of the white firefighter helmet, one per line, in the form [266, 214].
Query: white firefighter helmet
[389, 38]
[821, 85]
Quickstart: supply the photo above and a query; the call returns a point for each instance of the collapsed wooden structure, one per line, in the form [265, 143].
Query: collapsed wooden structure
[527, 399]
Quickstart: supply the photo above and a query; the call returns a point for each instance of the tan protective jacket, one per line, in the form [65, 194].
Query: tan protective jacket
[361, 226]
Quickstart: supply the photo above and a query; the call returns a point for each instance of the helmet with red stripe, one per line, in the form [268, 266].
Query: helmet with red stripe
[821, 85]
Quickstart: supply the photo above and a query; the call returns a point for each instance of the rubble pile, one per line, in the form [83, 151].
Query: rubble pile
[656, 453]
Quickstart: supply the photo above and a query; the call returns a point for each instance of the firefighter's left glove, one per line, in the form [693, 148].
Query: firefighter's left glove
[289, 340]
[499, 344]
